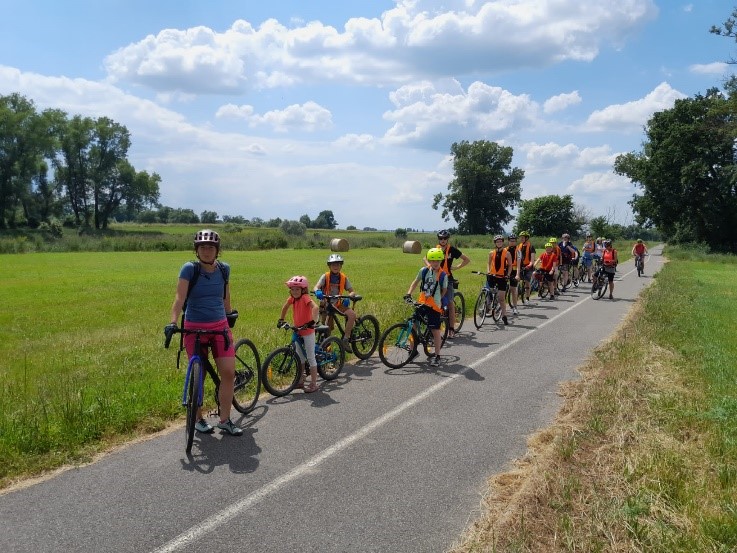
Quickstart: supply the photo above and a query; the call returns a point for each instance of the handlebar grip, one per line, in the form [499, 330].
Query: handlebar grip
[167, 340]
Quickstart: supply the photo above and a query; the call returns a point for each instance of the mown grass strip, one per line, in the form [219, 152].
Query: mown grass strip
[644, 454]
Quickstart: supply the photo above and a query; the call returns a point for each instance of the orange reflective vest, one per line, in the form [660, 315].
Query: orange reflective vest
[526, 252]
[341, 284]
[429, 297]
[445, 265]
[498, 262]
[548, 260]
[608, 257]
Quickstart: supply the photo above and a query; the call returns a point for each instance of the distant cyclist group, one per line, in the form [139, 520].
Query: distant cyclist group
[513, 270]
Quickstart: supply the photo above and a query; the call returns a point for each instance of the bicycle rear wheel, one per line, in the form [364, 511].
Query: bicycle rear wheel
[397, 345]
[460, 306]
[479, 310]
[247, 376]
[330, 357]
[193, 400]
[280, 372]
[521, 291]
[365, 336]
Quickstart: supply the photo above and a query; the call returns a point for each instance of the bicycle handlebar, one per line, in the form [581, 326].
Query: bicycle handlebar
[170, 331]
[488, 274]
[286, 326]
[340, 297]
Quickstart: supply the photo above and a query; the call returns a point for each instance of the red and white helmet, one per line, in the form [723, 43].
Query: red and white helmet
[297, 282]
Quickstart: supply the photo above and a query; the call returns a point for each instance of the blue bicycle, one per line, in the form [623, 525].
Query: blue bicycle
[399, 343]
[247, 384]
[281, 368]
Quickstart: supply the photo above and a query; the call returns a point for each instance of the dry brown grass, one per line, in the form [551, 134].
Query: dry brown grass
[594, 480]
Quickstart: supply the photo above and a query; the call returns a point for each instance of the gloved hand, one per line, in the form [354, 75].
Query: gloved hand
[408, 297]
[281, 323]
[346, 302]
[319, 295]
[170, 329]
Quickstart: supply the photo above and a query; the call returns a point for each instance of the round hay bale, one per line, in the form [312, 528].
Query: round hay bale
[339, 245]
[412, 246]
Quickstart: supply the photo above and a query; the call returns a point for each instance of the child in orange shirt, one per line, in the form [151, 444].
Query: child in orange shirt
[304, 311]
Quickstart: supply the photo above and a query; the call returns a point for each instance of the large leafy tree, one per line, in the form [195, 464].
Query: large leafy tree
[325, 220]
[687, 171]
[484, 189]
[548, 216]
[25, 142]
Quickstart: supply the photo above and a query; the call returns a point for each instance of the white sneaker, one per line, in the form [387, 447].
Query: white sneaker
[514, 311]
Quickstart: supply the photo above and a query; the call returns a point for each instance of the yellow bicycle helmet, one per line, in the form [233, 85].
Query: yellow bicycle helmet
[435, 254]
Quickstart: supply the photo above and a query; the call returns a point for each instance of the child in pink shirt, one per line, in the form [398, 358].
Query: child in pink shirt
[304, 311]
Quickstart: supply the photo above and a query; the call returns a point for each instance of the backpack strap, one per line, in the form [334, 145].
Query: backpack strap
[195, 277]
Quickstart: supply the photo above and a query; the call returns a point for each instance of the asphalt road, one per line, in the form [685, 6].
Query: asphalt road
[378, 460]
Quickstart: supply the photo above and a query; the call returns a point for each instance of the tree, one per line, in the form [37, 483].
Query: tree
[548, 216]
[484, 189]
[305, 220]
[25, 140]
[325, 220]
[687, 171]
[208, 217]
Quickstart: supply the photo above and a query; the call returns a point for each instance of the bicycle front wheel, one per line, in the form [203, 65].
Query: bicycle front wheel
[247, 384]
[397, 345]
[479, 310]
[330, 357]
[193, 400]
[496, 308]
[603, 288]
[365, 336]
[280, 372]
[460, 306]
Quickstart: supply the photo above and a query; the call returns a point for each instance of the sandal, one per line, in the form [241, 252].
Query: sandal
[311, 388]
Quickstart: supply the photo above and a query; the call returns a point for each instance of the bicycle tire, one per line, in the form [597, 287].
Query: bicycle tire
[543, 290]
[396, 345]
[247, 386]
[575, 276]
[603, 288]
[365, 336]
[521, 291]
[428, 341]
[479, 309]
[193, 400]
[460, 305]
[496, 308]
[330, 356]
[280, 372]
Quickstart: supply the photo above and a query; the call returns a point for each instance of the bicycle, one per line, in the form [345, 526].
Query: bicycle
[520, 292]
[365, 333]
[538, 278]
[600, 285]
[398, 344]
[460, 307]
[639, 259]
[247, 384]
[281, 367]
[487, 303]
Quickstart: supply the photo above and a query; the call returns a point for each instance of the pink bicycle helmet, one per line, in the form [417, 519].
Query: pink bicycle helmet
[297, 282]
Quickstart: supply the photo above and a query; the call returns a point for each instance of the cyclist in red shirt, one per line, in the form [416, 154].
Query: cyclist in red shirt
[640, 250]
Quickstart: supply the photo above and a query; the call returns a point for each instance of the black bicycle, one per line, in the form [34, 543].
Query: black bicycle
[460, 308]
[247, 384]
[281, 369]
[487, 302]
[600, 283]
[365, 333]
[399, 343]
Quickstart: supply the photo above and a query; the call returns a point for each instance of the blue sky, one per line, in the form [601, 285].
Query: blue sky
[279, 109]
